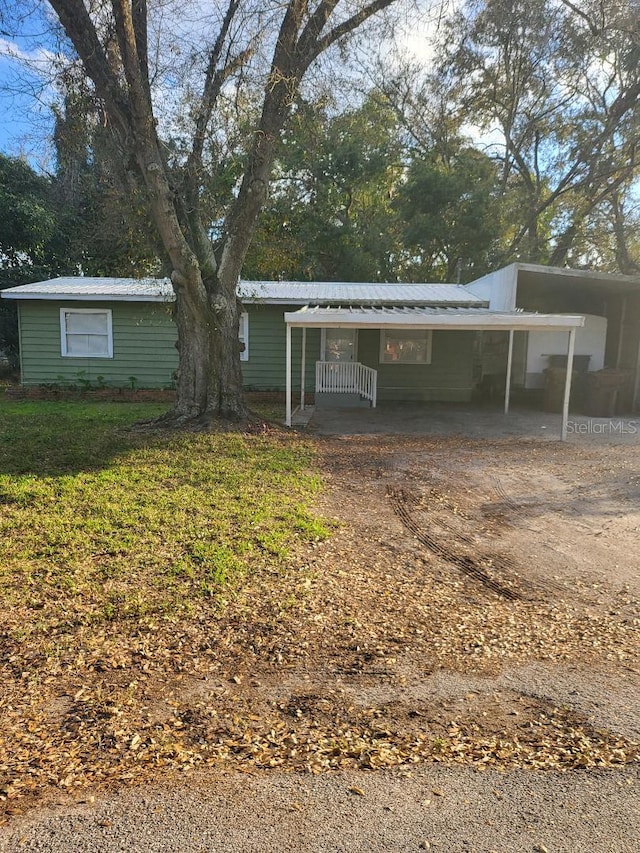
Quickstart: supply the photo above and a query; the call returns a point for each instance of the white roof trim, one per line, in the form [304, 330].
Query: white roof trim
[429, 318]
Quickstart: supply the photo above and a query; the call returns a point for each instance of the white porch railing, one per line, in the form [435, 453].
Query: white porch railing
[347, 377]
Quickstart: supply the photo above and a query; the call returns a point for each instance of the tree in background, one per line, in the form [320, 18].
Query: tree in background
[548, 90]
[450, 216]
[27, 227]
[559, 85]
[330, 215]
[355, 199]
[102, 220]
[27, 219]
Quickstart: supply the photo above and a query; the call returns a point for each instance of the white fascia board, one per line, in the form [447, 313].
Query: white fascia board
[266, 300]
[303, 302]
[518, 322]
[86, 297]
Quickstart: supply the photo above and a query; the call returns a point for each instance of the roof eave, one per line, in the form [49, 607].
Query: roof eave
[467, 303]
[86, 297]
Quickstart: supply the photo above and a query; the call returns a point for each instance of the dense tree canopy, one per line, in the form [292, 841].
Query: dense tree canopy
[559, 83]
[186, 143]
[27, 216]
[450, 215]
[27, 228]
[330, 215]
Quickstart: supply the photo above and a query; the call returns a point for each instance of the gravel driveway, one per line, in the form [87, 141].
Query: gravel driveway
[393, 623]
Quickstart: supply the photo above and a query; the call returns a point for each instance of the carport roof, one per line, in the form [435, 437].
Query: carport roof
[539, 275]
[477, 319]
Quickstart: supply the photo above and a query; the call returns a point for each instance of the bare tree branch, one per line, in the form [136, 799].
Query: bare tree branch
[80, 29]
[349, 26]
[213, 81]
[595, 28]
[139, 17]
[315, 25]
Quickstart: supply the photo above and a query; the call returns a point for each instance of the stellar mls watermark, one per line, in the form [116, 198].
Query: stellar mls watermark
[611, 426]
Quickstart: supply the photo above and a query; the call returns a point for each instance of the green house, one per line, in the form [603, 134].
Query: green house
[348, 343]
[120, 332]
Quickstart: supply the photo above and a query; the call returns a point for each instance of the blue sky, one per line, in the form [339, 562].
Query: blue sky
[26, 121]
[26, 124]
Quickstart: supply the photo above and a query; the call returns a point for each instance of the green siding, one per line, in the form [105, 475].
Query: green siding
[143, 345]
[266, 368]
[449, 377]
[144, 337]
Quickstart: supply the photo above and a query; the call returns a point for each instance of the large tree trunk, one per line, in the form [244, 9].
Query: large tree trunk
[209, 381]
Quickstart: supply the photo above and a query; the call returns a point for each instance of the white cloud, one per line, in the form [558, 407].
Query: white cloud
[35, 58]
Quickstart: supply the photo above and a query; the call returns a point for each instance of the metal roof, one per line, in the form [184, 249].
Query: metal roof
[364, 317]
[355, 293]
[264, 292]
[86, 289]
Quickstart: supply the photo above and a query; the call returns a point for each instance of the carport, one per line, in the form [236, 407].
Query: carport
[362, 378]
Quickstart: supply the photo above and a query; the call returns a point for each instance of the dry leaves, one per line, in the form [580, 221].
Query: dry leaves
[282, 674]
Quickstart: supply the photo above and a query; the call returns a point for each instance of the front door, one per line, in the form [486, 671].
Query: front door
[339, 344]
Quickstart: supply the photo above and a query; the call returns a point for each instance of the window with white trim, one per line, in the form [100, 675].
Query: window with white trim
[405, 346]
[243, 335]
[86, 333]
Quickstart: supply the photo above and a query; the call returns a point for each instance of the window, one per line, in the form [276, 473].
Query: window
[405, 346]
[86, 333]
[339, 344]
[243, 335]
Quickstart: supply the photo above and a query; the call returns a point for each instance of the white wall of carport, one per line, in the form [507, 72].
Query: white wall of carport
[590, 340]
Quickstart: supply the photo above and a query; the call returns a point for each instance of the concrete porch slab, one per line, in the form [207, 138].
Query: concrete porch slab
[475, 422]
[300, 417]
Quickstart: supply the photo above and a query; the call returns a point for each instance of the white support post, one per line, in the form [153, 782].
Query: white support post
[567, 384]
[623, 317]
[288, 378]
[507, 385]
[636, 382]
[303, 366]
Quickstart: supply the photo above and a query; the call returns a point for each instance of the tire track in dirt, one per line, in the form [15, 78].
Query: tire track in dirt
[474, 567]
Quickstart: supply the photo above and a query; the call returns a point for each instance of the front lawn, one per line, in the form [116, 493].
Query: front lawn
[165, 603]
[100, 523]
[112, 539]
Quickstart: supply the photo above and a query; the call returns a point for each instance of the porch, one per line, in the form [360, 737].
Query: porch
[406, 341]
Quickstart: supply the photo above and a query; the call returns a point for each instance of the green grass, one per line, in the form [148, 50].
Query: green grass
[101, 523]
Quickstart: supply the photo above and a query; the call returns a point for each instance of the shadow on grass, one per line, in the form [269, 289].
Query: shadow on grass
[52, 439]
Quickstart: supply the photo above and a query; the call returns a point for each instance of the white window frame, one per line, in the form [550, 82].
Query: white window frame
[64, 312]
[390, 332]
[323, 342]
[243, 335]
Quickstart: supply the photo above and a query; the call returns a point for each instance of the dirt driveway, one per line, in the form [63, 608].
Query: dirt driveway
[469, 633]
